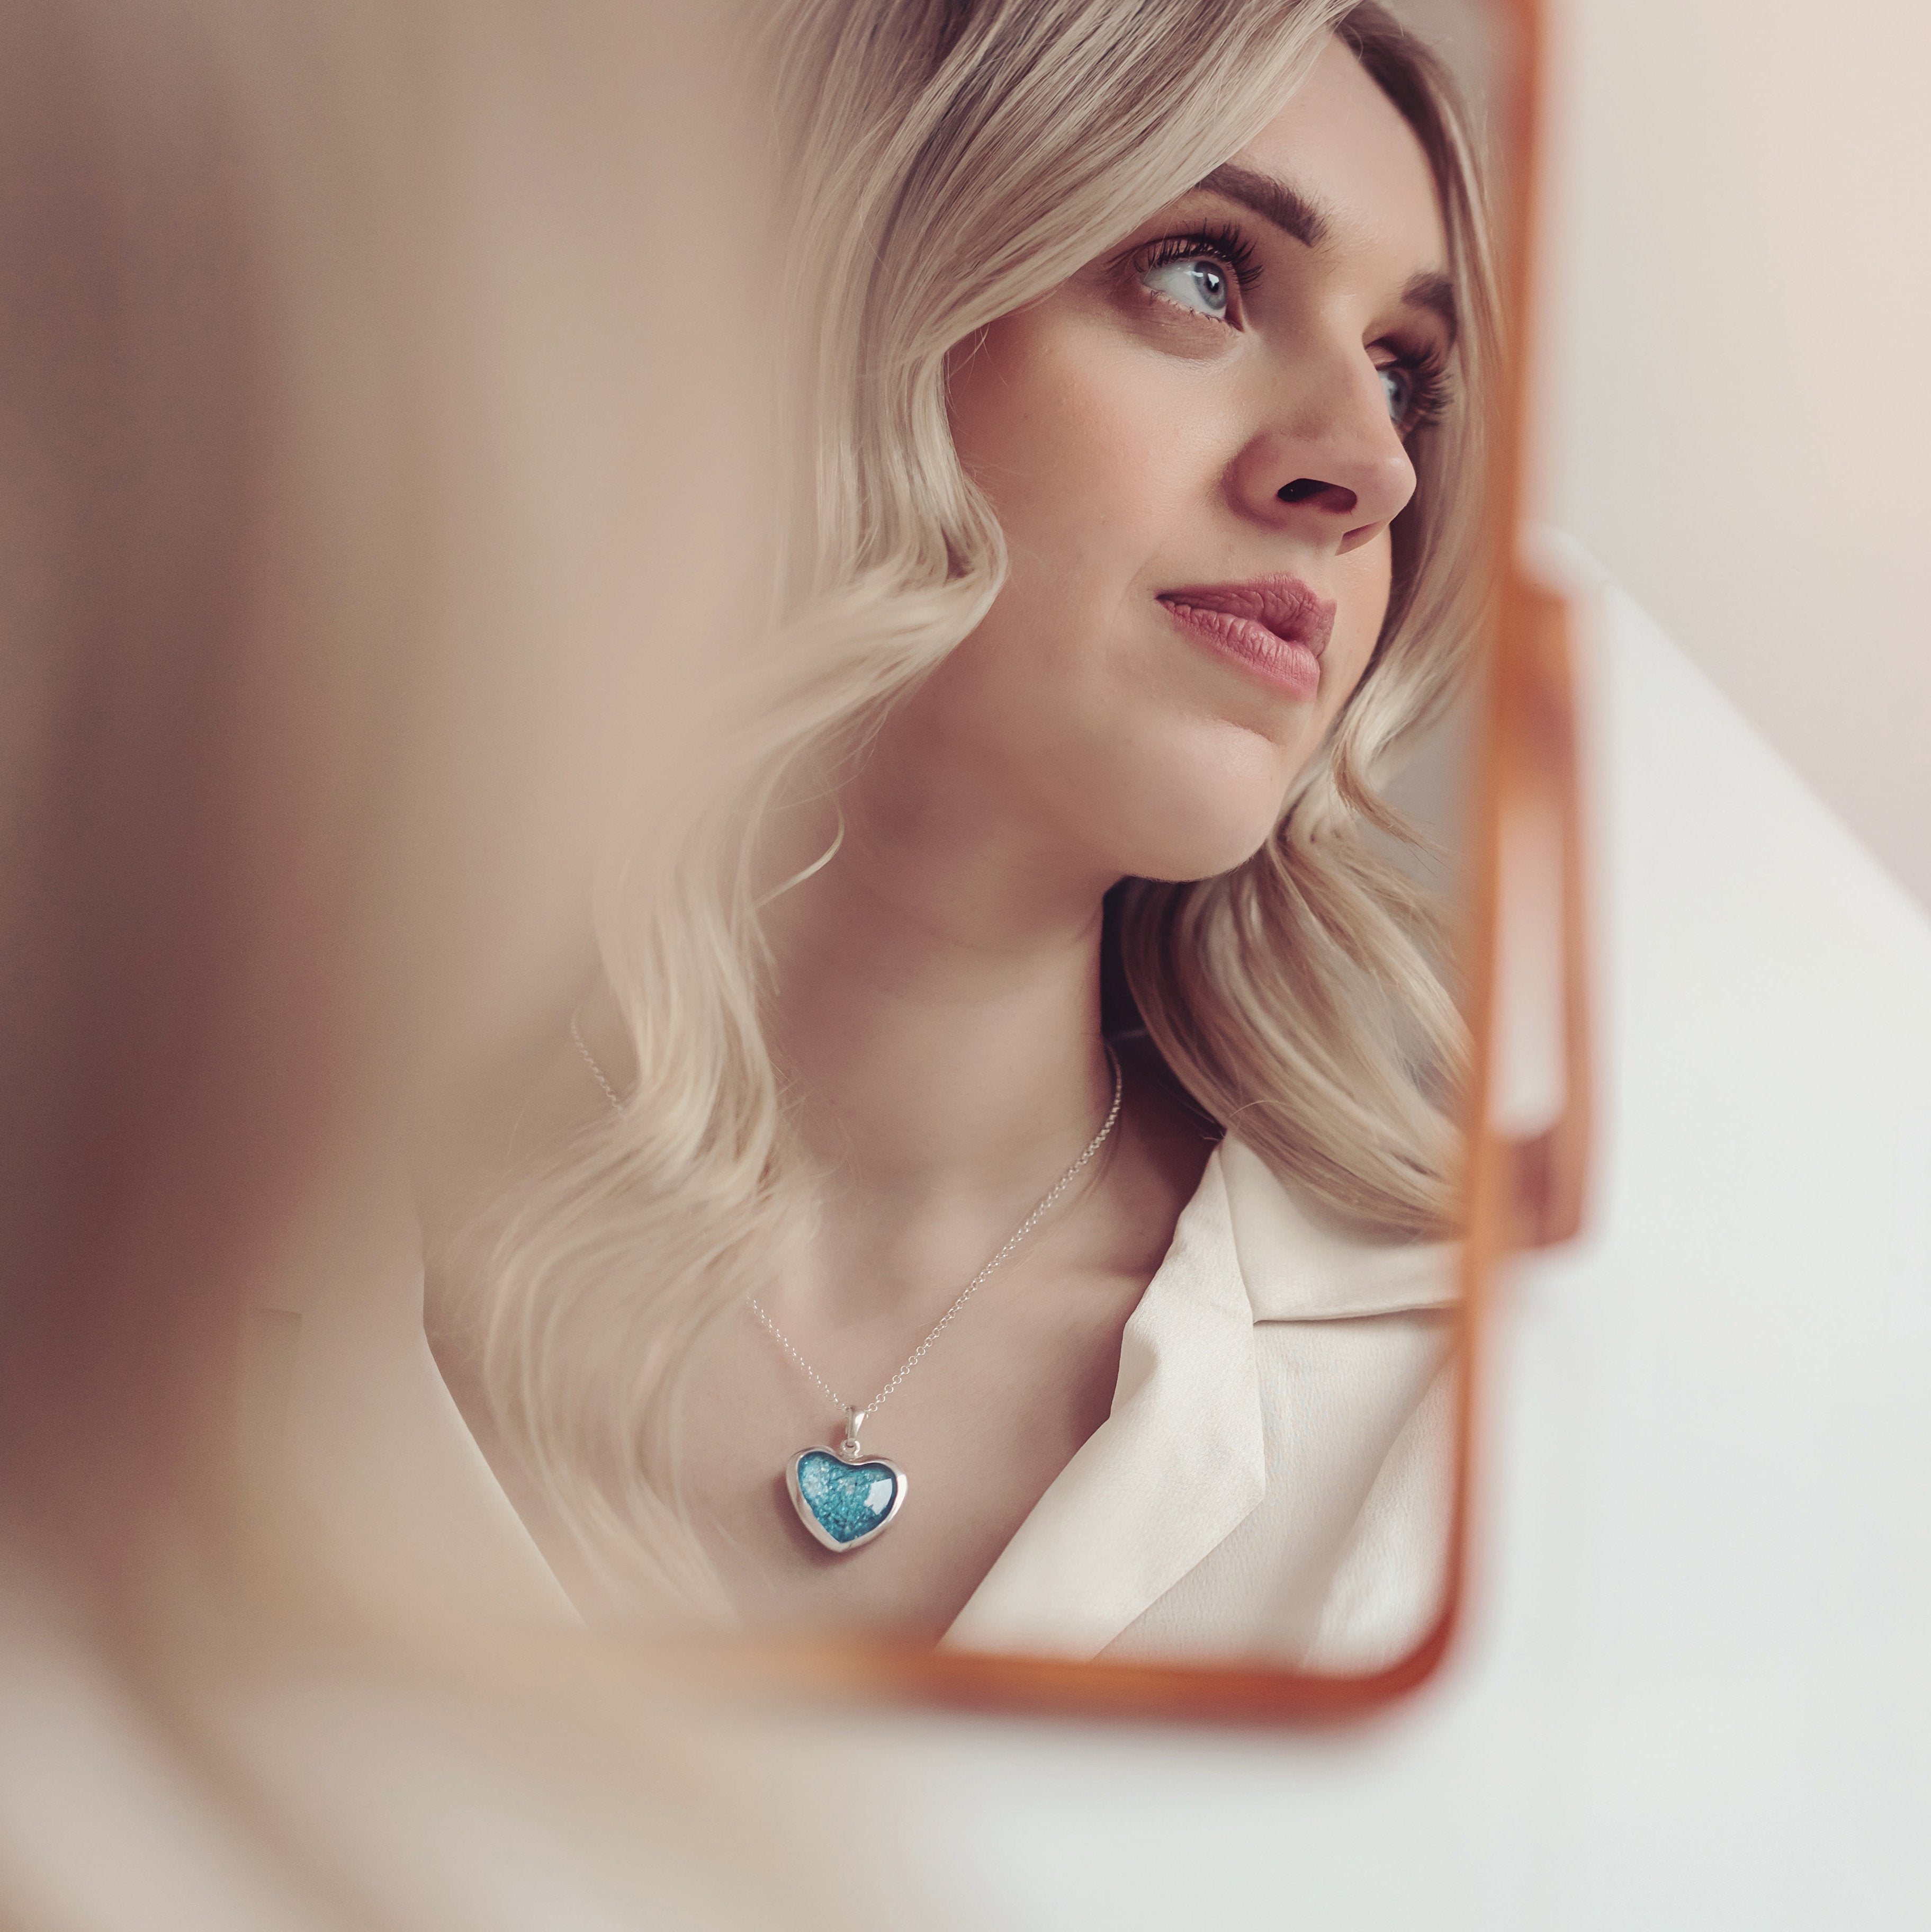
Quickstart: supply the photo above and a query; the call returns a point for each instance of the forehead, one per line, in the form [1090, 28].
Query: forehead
[1342, 144]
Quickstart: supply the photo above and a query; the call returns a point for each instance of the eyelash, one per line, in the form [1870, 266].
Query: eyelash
[1427, 370]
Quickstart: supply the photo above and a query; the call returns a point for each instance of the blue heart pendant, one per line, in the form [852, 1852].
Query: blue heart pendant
[844, 1500]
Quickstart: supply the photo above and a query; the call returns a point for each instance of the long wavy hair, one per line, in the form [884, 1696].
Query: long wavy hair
[948, 161]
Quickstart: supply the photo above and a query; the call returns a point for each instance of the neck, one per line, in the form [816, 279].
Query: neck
[937, 1011]
[928, 1048]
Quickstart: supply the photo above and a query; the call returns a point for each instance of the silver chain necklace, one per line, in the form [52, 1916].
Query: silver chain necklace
[844, 1497]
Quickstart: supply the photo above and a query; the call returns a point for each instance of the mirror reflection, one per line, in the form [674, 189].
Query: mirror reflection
[1000, 1186]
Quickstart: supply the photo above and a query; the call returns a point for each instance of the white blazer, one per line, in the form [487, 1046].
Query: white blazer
[1272, 1482]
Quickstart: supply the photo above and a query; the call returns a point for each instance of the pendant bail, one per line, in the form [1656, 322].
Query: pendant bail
[854, 1422]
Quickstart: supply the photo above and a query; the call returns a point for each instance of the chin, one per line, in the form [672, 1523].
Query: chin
[1193, 840]
[1200, 806]
[1181, 864]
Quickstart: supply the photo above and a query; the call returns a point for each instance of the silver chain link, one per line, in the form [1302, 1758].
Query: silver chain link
[945, 1320]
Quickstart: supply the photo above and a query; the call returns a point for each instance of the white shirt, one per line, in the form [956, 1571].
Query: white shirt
[1272, 1481]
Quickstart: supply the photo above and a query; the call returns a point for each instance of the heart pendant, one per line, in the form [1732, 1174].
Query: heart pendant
[844, 1500]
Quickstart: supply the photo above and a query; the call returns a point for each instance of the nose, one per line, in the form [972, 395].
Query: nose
[1324, 459]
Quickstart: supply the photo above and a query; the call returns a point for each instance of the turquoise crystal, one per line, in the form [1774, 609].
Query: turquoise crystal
[849, 1499]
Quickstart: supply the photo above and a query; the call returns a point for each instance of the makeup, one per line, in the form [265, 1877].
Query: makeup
[1276, 627]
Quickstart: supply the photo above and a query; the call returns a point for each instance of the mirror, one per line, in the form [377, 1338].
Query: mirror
[1003, 1214]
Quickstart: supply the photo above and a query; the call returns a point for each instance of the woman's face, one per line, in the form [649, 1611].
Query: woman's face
[1195, 448]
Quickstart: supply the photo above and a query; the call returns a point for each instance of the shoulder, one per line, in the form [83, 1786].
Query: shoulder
[1300, 1264]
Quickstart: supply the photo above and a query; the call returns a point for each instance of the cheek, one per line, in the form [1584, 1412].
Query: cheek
[1019, 419]
[1065, 429]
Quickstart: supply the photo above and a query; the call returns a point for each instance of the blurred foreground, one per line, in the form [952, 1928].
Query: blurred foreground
[374, 476]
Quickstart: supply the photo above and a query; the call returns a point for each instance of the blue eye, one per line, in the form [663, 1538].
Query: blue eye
[1417, 388]
[1398, 384]
[1198, 283]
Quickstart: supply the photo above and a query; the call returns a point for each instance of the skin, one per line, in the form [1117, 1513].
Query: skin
[937, 1007]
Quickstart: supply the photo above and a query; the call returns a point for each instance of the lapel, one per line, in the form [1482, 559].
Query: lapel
[1178, 1463]
[1182, 1460]
[1298, 1266]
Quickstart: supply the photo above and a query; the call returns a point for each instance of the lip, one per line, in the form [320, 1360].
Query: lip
[1276, 627]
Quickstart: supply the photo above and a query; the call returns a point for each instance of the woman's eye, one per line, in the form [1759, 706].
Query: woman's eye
[1199, 283]
[1398, 384]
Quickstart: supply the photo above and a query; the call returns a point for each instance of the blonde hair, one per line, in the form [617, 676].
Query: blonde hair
[949, 161]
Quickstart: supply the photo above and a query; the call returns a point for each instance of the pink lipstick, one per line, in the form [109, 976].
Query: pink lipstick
[1276, 627]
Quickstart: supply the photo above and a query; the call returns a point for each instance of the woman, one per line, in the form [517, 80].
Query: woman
[1140, 349]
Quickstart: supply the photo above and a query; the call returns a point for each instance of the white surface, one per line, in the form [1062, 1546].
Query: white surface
[1694, 1691]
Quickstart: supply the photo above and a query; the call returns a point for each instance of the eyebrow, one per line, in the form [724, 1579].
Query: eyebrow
[1272, 200]
[1295, 215]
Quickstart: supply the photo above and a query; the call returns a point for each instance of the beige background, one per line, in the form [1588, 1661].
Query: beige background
[1739, 401]
[1736, 406]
